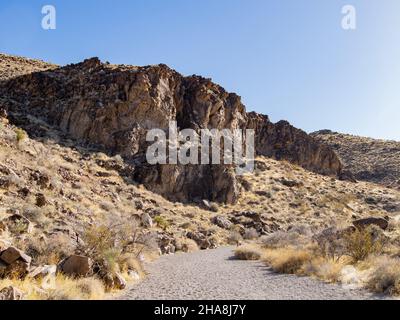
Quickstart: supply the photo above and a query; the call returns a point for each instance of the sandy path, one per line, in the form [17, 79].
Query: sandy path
[212, 274]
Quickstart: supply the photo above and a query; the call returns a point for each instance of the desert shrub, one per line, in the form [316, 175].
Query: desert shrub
[214, 207]
[251, 234]
[105, 243]
[34, 213]
[129, 262]
[72, 289]
[329, 244]
[27, 285]
[385, 277]
[234, 238]
[161, 222]
[281, 239]
[20, 135]
[286, 260]
[91, 288]
[50, 251]
[321, 268]
[247, 252]
[301, 229]
[14, 180]
[106, 206]
[362, 243]
[189, 245]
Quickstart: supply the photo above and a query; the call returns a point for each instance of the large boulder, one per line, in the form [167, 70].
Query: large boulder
[146, 220]
[12, 254]
[14, 262]
[366, 222]
[76, 266]
[222, 222]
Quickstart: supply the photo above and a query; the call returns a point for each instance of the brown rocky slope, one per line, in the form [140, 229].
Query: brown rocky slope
[113, 106]
[367, 159]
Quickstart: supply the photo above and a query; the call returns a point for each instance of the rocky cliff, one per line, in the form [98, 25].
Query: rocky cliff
[113, 106]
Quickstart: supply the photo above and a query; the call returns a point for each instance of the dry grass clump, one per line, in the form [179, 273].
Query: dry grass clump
[129, 262]
[29, 287]
[47, 251]
[251, 234]
[248, 252]
[189, 245]
[385, 277]
[234, 238]
[59, 288]
[327, 270]
[281, 239]
[77, 289]
[353, 256]
[287, 260]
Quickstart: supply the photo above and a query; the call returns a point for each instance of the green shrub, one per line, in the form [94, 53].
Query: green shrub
[161, 222]
[362, 243]
[20, 135]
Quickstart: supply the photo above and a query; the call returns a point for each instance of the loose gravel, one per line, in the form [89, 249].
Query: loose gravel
[214, 274]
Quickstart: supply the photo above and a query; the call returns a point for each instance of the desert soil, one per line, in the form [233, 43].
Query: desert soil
[213, 274]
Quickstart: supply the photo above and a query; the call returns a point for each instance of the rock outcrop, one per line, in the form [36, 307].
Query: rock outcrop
[282, 141]
[113, 107]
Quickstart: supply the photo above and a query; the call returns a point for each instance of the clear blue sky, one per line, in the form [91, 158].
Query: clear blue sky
[289, 59]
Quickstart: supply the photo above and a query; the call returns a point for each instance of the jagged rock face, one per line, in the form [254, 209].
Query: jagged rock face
[285, 142]
[114, 107]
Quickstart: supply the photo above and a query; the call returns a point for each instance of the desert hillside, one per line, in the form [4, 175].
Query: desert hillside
[366, 158]
[13, 66]
[73, 182]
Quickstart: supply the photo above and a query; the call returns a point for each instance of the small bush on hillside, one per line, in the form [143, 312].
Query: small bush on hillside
[161, 222]
[50, 251]
[362, 243]
[105, 244]
[281, 239]
[251, 234]
[20, 135]
[214, 207]
[235, 238]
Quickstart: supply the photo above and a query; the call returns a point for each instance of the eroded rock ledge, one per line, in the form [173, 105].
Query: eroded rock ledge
[113, 106]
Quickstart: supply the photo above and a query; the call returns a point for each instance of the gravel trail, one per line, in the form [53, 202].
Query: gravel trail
[213, 274]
